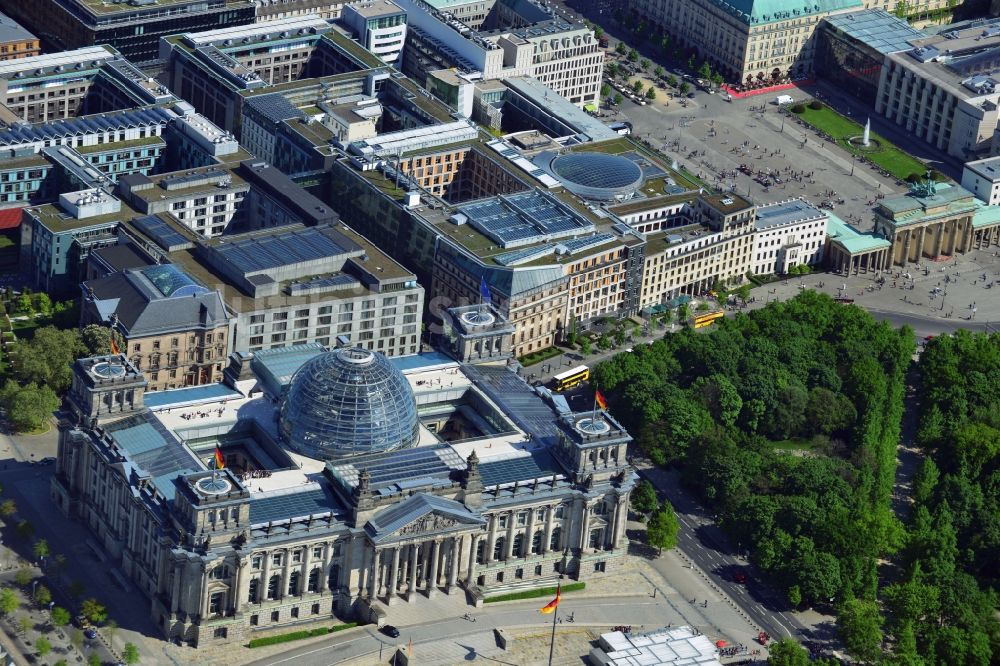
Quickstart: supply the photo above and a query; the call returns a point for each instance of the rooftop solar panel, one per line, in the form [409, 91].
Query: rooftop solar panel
[161, 233]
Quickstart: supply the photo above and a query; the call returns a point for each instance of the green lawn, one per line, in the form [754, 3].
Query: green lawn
[531, 594]
[539, 356]
[889, 157]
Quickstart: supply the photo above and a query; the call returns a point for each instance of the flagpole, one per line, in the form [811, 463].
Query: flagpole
[593, 415]
[552, 641]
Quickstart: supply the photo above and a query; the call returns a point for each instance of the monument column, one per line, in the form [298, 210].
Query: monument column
[393, 573]
[412, 591]
[432, 577]
[454, 564]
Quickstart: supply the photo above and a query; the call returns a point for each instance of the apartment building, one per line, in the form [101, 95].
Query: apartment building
[132, 28]
[379, 25]
[15, 41]
[788, 233]
[944, 90]
[175, 330]
[747, 41]
[513, 39]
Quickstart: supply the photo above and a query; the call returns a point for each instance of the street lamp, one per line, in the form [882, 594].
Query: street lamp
[854, 159]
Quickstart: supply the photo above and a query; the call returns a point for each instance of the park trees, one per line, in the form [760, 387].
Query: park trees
[643, 498]
[661, 531]
[28, 407]
[45, 359]
[60, 616]
[130, 654]
[8, 601]
[93, 610]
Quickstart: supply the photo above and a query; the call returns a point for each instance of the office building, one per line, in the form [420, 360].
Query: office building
[132, 28]
[339, 499]
[272, 10]
[15, 41]
[175, 330]
[788, 234]
[64, 85]
[379, 25]
[982, 178]
[297, 284]
[503, 39]
[944, 90]
[749, 42]
[302, 56]
[852, 47]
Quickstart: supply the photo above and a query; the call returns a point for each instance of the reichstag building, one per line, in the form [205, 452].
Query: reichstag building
[351, 482]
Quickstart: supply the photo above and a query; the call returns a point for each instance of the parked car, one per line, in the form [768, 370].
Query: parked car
[390, 631]
[90, 633]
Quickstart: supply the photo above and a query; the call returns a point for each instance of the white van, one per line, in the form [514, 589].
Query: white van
[781, 100]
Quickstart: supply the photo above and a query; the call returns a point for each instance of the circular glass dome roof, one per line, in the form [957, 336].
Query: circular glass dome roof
[598, 175]
[348, 402]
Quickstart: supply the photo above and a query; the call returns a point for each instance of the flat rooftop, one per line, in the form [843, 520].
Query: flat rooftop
[988, 168]
[284, 28]
[877, 29]
[66, 59]
[102, 8]
[376, 8]
[784, 213]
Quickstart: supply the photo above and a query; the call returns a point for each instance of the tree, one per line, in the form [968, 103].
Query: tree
[94, 610]
[651, 93]
[76, 589]
[604, 342]
[23, 577]
[672, 81]
[612, 69]
[684, 88]
[585, 346]
[598, 31]
[7, 508]
[620, 48]
[43, 646]
[794, 595]
[644, 64]
[41, 549]
[46, 359]
[60, 616]
[787, 652]
[605, 90]
[97, 339]
[742, 292]
[130, 653]
[644, 498]
[28, 407]
[637, 86]
[112, 628]
[43, 304]
[717, 79]
[8, 601]
[42, 595]
[25, 623]
[25, 530]
[705, 71]
[618, 99]
[658, 71]
[94, 659]
[860, 627]
[661, 531]
[633, 55]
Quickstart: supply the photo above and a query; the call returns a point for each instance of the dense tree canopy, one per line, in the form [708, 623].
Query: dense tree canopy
[786, 421]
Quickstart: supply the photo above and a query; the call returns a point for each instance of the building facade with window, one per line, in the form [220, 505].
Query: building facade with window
[487, 489]
[175, 330]
[15, 41]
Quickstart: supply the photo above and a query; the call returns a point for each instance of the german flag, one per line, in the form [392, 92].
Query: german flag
[551, 606]
[114, 345]
[220, 461]
[599, 399]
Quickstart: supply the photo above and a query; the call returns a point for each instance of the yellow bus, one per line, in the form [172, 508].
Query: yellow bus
[571, 378]
[708, 318]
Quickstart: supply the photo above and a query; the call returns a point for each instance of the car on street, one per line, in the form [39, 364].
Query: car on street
[90, 633]
[390, 631]
[740, 578]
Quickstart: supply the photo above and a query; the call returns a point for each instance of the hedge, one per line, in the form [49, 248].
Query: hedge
[531, 594]
[299, 635]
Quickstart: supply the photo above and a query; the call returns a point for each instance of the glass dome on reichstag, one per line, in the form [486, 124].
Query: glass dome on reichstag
[348, 402]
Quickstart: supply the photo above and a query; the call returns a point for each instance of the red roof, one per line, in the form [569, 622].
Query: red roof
[10, 218]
